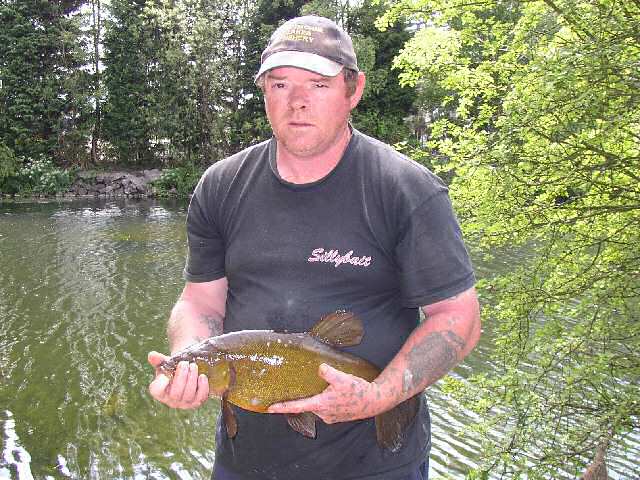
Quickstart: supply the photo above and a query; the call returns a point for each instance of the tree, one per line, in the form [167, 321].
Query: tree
[96, 40]
[171, 111]
[220, 36]
[44, 93]
[386, 107]
[174, 78]
[543, 139]
[128, 60]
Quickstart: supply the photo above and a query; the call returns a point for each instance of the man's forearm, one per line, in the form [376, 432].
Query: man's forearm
[198, 313]
[189, 324]
[421, 362]
[432, 350]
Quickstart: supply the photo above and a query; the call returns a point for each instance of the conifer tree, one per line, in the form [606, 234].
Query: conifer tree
[44, 91]
[128, 61]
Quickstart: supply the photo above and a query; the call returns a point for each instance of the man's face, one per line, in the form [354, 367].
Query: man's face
[307, 111]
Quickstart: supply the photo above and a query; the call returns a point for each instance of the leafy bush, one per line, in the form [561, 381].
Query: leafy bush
[9, 168]
[42, 176]
[179, 181]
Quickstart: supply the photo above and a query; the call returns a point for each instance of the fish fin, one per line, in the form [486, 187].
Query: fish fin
[229, 417]
[391, 425]
[339, 329]
[221, 375]
[304, 423]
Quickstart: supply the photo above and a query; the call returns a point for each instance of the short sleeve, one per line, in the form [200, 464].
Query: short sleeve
[434, 263]
[206, 252]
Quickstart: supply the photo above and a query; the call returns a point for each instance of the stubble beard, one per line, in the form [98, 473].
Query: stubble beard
[310, 144]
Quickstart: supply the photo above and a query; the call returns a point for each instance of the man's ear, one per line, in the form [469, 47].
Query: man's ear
[357, 95]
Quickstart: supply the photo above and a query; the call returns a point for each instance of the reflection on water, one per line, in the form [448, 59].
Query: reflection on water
[85, 289]
[15, 459]
[85, 292]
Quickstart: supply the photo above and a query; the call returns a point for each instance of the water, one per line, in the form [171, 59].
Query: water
[85, 290]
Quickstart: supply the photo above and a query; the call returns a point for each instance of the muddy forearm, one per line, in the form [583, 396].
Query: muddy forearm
[449, 334]
[422, 362]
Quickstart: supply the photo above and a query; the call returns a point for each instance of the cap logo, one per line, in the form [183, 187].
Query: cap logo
[300, 33]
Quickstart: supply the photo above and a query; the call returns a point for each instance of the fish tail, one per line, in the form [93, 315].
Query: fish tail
[391, 425]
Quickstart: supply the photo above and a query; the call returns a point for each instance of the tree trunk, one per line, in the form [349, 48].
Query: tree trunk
[597, 470]
[97, 114]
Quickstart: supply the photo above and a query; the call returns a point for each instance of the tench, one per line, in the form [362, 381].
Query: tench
[256, 368]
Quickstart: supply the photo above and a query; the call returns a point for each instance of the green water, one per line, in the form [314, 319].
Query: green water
[85, 290]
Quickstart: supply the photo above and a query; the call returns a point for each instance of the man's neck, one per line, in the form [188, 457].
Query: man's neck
[308, 169]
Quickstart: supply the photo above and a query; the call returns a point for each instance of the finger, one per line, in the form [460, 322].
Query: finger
[295, 406]
[191, 385]
[179, 382]
[158, 387]
[203, 390]
[156, 358]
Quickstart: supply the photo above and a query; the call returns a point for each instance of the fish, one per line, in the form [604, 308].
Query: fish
[257, 368]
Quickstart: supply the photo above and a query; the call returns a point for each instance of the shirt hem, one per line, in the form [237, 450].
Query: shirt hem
[203, 277]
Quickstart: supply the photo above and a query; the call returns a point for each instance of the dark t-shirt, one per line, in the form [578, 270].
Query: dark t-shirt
[376, 236]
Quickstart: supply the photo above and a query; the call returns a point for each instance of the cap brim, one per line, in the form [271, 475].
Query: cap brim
[305, 60]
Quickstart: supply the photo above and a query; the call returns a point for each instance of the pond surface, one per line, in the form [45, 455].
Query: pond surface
[85, 291]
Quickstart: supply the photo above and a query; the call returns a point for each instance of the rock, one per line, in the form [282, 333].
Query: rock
[110, 177]
[112, 184]
[152, 175]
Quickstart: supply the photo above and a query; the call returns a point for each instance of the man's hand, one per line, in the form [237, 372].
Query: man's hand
[198, 314]
[346, 398]
[185, 390]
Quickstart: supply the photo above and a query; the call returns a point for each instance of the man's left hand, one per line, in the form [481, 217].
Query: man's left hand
[346, 398]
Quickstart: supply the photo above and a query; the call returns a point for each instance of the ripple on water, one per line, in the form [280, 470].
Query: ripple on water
[15, 463]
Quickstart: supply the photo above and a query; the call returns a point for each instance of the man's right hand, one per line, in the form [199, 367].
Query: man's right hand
[185, 390]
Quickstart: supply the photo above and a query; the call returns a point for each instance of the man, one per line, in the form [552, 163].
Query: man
[323, 218]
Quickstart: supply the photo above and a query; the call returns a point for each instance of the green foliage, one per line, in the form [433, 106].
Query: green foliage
[9, 168]
[8, 162]
[539, 123]
[127, 61]
[385, 105]
[179, 181]
[43, 93]
[36, 176]
[42, 176]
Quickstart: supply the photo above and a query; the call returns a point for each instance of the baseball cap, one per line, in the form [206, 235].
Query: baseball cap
[311, 43]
